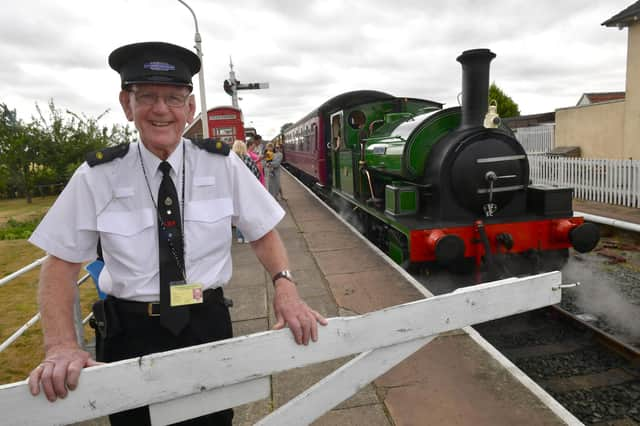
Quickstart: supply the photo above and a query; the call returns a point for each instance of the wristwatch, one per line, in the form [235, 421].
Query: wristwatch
[286, 274]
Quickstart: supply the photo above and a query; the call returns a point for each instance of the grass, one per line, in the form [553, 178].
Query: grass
[21, 211]
[18, 298]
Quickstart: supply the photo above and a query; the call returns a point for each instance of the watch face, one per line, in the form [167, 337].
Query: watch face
[283, 274]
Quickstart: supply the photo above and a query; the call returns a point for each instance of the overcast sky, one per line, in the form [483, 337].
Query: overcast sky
[548, 52]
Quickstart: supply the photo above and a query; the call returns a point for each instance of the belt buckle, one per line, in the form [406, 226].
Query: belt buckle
[150, 309]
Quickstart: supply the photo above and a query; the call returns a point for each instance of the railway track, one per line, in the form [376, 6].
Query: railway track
[591, 373]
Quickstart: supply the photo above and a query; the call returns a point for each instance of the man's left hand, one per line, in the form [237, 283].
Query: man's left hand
[292, 311]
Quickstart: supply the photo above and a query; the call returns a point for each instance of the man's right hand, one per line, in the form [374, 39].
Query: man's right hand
[59, 371]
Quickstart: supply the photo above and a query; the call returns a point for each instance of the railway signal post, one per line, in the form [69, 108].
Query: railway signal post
[232, 85]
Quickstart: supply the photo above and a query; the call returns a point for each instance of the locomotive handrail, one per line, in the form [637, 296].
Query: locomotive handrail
[175, 390]
[386, 138]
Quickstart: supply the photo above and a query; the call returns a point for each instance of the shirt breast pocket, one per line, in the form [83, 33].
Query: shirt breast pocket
[207, 227]
[125, 235]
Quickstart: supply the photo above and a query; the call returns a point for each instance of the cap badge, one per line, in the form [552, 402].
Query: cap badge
[219, 145]
[159, 66]
[99, 155]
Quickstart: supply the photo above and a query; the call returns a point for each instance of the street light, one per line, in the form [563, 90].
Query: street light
[203, 102]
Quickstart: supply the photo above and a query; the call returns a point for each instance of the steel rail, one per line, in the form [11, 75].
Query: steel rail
[621, 348]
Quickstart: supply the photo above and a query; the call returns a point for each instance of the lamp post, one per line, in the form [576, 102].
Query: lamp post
[203, 102]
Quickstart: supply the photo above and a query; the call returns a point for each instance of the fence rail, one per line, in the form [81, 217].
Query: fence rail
[600, 180]
[79, 322]
[175, 390]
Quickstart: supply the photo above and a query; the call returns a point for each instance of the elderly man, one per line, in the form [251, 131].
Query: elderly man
[161, 210]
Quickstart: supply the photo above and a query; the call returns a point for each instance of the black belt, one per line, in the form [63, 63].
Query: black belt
[152, 309]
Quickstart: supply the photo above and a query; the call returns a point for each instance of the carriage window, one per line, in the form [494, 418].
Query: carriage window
[357, 119]
[336, 137]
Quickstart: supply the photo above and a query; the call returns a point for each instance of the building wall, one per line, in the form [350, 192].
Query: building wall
[598, 129]
[631, 147]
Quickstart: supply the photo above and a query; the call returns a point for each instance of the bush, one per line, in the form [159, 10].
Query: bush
[14, 230]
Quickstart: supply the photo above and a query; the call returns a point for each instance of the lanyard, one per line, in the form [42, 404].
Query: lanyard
[153, 200]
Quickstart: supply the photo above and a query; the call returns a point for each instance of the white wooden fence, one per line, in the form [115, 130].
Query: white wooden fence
[190, 382]
[604, 181]
[601, 180]
[537, 139]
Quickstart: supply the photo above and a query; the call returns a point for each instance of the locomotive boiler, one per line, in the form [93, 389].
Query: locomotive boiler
[438, 188]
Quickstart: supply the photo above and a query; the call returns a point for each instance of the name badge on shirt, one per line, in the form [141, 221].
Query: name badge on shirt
[185, 294]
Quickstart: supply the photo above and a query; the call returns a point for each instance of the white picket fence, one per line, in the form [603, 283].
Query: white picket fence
[600, 180]
[190, 382]
[537, 139]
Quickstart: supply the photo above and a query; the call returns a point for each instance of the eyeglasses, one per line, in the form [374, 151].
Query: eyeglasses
[149, 99]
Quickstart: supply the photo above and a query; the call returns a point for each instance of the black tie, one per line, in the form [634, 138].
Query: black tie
[171, 252]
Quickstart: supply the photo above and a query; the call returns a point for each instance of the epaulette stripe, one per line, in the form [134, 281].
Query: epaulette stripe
[214, 146]
[105, 155]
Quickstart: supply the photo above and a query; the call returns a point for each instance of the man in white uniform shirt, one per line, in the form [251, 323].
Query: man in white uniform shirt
[150, 229]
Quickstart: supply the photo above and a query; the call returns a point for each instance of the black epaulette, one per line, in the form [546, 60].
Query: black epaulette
[107, 154]
[213, 145]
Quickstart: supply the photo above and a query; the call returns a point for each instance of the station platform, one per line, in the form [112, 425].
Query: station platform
[457, 379]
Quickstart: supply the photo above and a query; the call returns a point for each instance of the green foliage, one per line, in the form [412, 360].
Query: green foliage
[44, 152]
[14, 230]
[506, 106]
[285, 126]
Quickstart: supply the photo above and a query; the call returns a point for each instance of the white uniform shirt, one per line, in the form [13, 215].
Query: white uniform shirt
[112, 201]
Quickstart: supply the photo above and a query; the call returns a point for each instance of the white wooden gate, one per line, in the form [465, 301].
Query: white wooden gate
[190, 382]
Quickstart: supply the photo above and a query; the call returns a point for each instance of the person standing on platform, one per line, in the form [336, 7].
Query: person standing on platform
[165, 195]
[259, 145]
[274, 173]
[252, 151]
[240, 148]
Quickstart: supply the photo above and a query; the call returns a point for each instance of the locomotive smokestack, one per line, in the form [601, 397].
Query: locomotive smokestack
[475, 85]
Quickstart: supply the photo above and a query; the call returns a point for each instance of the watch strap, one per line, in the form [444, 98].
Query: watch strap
[286, 274]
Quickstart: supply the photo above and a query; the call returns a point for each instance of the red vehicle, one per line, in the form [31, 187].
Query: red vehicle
[226, 123]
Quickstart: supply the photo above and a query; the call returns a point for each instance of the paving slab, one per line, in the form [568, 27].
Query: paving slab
[371, 290]
[369, 415]
[453, 381]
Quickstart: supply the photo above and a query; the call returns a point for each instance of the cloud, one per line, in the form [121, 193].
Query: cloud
[548, 52]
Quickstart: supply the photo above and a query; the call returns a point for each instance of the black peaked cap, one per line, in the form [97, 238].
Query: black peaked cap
[154, 63]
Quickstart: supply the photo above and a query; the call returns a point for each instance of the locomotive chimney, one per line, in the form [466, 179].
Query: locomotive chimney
[475, 86]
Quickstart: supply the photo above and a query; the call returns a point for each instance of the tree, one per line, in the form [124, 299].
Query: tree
[506, 106]
[47, 150]
[70, 136]
[19, 149]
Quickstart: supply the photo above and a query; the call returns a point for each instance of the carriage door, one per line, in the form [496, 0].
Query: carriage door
[337, 145]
